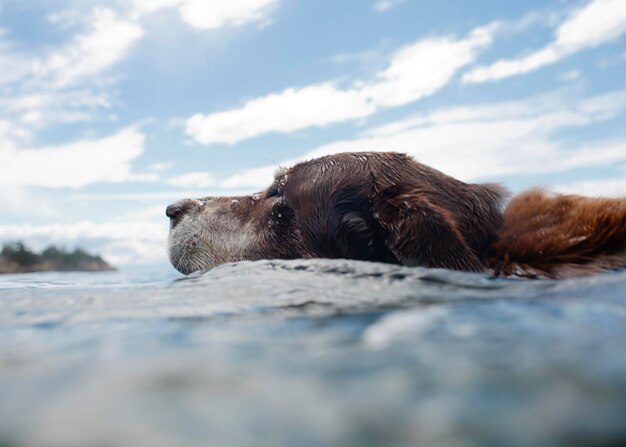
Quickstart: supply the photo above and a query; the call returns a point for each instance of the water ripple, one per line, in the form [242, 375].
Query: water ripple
[315, 353]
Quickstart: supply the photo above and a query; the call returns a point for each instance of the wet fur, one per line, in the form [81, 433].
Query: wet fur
[387, 207]
[560, 235]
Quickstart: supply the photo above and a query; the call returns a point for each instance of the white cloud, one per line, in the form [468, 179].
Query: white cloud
[44, 89]
[414, 71]
[39, 109]
[159, 196]
[420, 69]
[13, 65]
[286, 111]
[154, 213]
[127, 242]
[211, 14]
[386, 5]
[487, 141]
[570, 75]
[17, 201]
[106, 43]
[159, 167]
[73, 165]
[612, 187]
[193, 180]
[256, 177]
[599, 22]
[66, 19]
[217, 13]
[7, 136]
[149, 6]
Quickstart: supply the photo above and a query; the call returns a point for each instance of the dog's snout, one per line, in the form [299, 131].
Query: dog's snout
[177, 210]
[173, 211]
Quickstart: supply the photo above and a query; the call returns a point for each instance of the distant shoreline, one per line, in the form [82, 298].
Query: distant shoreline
[17, 258]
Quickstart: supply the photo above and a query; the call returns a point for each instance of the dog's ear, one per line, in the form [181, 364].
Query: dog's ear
[357, 234]
[335, 220]
[420, 233]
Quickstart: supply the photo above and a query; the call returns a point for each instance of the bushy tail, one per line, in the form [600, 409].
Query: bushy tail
[560, 236]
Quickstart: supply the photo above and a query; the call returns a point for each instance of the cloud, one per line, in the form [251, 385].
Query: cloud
[193, 180]
[149, 6]
[127, 242]
[386, 5]
[153, 213]
[485, 141]
[599, 22]
[420, 69]
[159, 196]
[49, 88]
[38, 109]
[415, 71]
[289, 110]
[73, 165]
[16, 201]
[210, 14]
[7, 136]
[161, 166]
[571, 75]
[256, 177]
[106, 43]
[611, 187]
[45, 89]
[13, 65]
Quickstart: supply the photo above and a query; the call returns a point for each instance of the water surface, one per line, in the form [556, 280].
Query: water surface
[311, 353]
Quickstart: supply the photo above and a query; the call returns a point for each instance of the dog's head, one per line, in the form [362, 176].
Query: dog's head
[370, 206]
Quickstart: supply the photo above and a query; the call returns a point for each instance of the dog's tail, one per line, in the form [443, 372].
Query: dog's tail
[559, 236]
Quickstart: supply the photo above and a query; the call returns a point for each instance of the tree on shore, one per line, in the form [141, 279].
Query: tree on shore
[18, 253]
[52, 257]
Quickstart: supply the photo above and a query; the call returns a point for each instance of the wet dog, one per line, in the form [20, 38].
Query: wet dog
[386, 207]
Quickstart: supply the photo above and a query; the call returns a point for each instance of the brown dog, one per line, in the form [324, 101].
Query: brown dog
[386, 207]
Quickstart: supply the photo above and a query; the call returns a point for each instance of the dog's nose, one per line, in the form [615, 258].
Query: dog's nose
[174, 210]
[177, 210]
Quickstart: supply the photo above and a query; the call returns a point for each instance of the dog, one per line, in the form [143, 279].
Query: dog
[387, 207]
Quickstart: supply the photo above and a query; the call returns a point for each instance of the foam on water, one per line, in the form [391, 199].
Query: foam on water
[311, 353]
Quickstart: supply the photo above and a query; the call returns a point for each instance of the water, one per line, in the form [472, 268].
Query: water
[311, 353]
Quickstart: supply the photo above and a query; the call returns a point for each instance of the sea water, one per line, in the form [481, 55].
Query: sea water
[311, 353]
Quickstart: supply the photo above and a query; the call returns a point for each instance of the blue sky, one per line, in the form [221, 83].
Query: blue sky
[110, 110]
